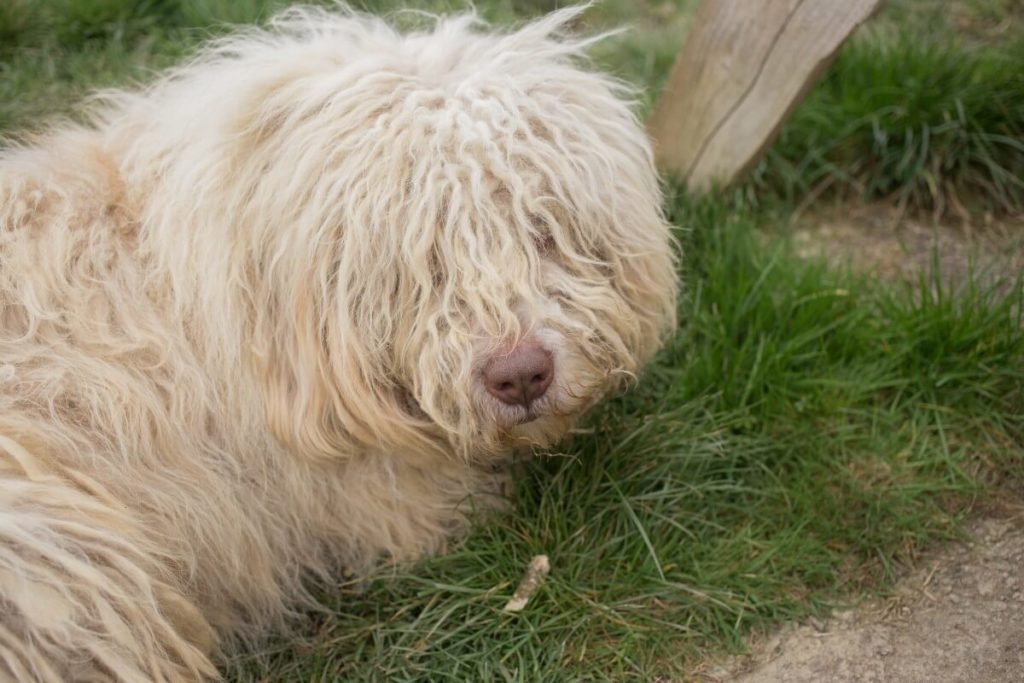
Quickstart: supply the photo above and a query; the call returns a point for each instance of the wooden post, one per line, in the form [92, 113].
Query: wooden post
[745, 66]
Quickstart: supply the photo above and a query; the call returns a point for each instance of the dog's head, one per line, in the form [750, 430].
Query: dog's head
[467, 246]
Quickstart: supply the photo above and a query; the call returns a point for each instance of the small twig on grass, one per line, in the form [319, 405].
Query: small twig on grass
[535, 574]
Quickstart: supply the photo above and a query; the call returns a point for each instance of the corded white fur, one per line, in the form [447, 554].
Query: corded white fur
[245, 312]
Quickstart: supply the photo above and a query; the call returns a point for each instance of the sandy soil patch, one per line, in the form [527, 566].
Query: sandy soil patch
[958, 618]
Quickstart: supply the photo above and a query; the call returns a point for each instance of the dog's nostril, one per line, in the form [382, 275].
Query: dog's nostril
[519, 377]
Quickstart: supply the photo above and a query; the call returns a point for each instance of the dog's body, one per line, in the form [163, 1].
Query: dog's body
[277, 315]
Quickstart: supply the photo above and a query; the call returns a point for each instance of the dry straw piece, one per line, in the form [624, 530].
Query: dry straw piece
[536, 572]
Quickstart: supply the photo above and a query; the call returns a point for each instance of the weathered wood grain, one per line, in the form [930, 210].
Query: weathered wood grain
[743, 68]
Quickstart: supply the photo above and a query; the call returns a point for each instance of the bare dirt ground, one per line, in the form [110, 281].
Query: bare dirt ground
[879, 240]
[958, 617]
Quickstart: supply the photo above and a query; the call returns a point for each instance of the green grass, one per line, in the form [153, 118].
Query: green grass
[924, 107]
[924, 120]
[803, 435]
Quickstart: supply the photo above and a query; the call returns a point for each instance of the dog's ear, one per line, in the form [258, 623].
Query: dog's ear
[323, 387]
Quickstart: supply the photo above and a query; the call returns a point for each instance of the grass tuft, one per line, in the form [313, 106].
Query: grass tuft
[923, 120]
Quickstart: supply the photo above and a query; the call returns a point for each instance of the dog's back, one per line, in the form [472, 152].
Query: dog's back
[83, 591]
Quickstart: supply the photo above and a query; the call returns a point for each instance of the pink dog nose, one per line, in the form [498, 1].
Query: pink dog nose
[520, 377]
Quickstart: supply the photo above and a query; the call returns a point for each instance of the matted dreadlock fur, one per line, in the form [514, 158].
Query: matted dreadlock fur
[246, 311]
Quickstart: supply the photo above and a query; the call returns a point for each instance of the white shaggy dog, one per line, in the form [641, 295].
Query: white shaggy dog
[281, 313]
